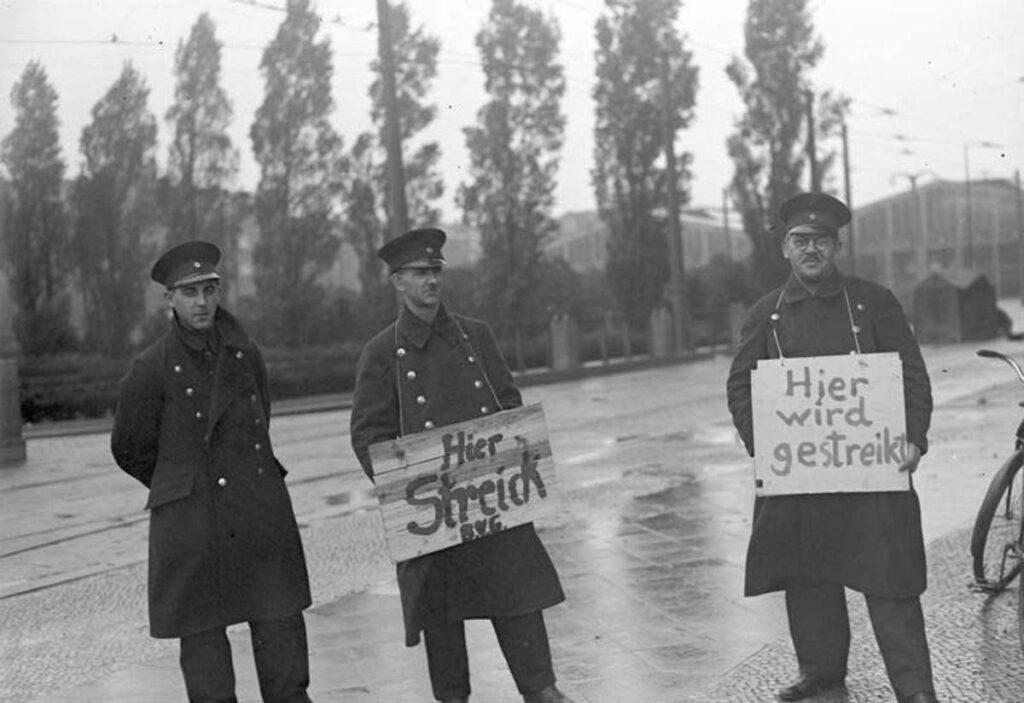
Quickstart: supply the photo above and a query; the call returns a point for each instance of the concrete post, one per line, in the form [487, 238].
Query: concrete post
[565, 348]
[661, 332]
[12, 441]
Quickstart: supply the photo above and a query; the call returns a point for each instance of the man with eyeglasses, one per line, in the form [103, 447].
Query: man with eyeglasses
[430, 368]
[813, 546]
[192, 425]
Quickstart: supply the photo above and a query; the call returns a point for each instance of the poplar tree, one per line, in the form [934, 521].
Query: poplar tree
[35, 235]
[768, 145]
[514, 156]
[637, 45]
[301, 176]
[115, 208]
[202, 159]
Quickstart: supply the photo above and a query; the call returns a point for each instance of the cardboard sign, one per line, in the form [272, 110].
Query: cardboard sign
[829, 424]
[462, 482]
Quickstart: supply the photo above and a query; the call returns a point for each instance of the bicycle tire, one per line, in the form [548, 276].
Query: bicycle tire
[994, 530]
[1020, 613]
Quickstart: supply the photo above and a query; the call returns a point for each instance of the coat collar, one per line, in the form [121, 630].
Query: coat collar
[417, 332]
[794, 289]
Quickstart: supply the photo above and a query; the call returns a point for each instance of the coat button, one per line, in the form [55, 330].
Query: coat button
[484, 409]
[239, 354]
[860, 307]
[478, 383]
[471, 359]
[410, 375]
[856, 329]
[222, 482]
[252, 398]
[259, 469]
[199, 415]
[401, 351]
[177, 368]
[257, 446]
[774, 317]
[421, 400]
[206, 438]
[428, 425]
[190, 391]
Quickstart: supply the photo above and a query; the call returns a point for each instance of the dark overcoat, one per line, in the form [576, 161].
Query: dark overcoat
[223, 543]
[414, 376]
[870, 542]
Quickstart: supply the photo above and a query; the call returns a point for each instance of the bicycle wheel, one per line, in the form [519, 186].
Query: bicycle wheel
[998, 527]
[1020, 613]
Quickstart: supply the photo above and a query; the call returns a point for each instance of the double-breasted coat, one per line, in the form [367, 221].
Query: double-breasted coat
[414, 376]
[193, 426]
[870, 542]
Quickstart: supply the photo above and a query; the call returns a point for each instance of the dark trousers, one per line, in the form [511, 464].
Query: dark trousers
[282, 662]
[523, 640]
[820, 628]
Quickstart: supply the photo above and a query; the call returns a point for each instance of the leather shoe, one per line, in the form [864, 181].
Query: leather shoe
[549, 694]
[807, 686]
[922, 697]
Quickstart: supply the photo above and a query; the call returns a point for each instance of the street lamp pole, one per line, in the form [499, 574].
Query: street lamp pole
[921, 245]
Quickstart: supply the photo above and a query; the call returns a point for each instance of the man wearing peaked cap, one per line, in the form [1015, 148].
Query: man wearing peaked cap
[187, 263]
[430, 368]
[419, 245]
[813, 546]
[192, 425]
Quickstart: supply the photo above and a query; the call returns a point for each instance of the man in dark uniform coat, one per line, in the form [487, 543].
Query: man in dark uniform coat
[812, 546]
[427, 369]
[224, 548]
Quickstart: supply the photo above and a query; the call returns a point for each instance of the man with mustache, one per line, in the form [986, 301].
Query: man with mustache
[430, 368]
[813, 546]
[192, 425]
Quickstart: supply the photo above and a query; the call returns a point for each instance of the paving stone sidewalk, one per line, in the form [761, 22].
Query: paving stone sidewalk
[976, 651]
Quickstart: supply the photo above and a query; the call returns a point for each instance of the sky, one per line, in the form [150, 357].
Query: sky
[930, 80]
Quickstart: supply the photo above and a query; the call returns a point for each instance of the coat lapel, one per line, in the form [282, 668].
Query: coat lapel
[232, 377]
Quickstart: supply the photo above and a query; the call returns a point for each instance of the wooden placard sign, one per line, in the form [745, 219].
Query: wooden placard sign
[454, 484]
[829, 424]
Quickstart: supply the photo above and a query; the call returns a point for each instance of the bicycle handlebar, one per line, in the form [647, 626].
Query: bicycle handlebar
[990, 354]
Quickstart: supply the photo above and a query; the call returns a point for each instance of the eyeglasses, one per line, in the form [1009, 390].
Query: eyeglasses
[803, 242]
[422, 271]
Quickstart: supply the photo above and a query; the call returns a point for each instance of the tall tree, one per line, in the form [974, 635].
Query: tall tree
[415, 57]
[35, 237]
[114, 204]
[768, 147]
[301, 172]
[202, 159]
[635, 40]
[368, 220]
[514, 159]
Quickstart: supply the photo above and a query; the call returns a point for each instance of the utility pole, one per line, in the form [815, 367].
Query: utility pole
[851, 228]
[967, 195]
[680, 319]
[398, 211]
[812, 152]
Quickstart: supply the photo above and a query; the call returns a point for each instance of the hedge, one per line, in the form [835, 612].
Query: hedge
[72, 386]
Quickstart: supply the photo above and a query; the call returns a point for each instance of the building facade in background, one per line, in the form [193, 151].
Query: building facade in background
[583, 239]
[939, 227]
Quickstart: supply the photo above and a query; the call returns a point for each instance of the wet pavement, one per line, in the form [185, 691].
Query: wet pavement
[649, 545]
